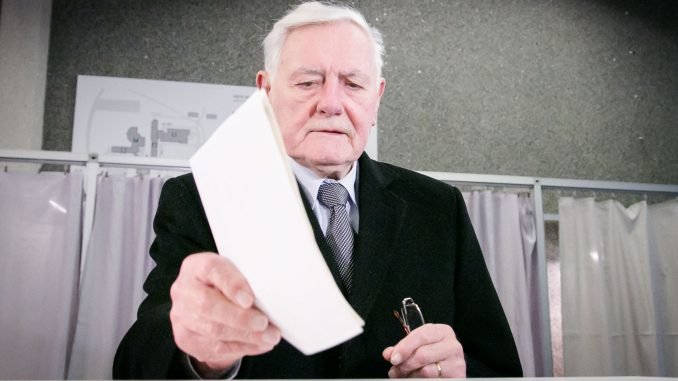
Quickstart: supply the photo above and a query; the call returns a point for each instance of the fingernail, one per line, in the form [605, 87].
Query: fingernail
[243, 299]
[271, 337]
[258, 323]
[396, 358]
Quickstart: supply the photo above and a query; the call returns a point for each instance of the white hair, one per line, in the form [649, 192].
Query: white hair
[313, 13]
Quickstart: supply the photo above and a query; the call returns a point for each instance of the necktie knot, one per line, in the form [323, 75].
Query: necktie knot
[332, 195]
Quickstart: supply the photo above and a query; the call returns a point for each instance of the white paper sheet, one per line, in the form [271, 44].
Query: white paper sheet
[257, 217]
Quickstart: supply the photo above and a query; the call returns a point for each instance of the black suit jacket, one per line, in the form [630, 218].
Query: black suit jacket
[415, 240]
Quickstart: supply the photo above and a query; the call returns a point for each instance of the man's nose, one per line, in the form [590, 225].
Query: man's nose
[329, 102]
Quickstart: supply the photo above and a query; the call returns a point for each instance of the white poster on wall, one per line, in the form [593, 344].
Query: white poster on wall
[152, 118]
[149, 118]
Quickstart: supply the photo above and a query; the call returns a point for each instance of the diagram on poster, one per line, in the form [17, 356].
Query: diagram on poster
[149, 118]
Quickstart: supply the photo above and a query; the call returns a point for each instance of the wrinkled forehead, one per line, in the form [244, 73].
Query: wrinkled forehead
[339, 41]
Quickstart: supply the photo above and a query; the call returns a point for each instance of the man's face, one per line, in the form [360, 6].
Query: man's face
[325, 95]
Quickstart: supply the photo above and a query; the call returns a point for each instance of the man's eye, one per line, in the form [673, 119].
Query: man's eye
[353, 85]
[305, 84]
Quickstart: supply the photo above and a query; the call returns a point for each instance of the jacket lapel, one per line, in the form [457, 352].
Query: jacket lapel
[381, 217]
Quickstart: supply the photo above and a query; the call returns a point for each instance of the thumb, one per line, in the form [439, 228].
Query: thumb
[387, 353]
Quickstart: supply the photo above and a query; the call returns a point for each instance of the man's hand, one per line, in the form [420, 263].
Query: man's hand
[213, 316]
[430, 351]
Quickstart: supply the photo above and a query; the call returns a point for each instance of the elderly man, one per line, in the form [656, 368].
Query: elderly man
[392, 234]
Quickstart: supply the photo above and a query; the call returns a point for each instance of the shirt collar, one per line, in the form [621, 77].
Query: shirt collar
[310, 182]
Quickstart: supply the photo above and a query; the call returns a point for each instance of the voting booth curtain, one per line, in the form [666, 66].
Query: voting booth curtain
[505, 226]
[115, 268]
[54, 328]
[39, 267]
[58, 335]
[619, 273]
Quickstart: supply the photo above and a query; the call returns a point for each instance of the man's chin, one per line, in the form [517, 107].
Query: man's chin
[333, 160]
[328, 166]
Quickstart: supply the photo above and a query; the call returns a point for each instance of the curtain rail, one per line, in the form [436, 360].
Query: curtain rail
[553, 183]
[70, 158]
[43, 157]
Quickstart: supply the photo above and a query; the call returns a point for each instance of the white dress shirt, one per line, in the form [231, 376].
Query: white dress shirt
[310, 183]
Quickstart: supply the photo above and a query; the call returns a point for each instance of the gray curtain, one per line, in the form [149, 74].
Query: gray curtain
[39, 290]
[39, 267]
[619, 272]
[505, 225]
[116, 266]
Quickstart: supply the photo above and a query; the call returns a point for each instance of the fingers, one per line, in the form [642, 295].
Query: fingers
[209, 326]
[215, 357]
[427, 371]
[210, 350]
[387, 353]
[420, 339]
[422, 361]
[213, 310]
[213, 316]
[220, 273]
[425, 349]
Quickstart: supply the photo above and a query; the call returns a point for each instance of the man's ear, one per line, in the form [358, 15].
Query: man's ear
[382, 87]
[263, 81]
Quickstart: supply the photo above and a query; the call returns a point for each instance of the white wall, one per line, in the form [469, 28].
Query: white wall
[24, 44]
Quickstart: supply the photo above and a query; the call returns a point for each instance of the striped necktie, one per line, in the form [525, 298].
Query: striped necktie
[339, 232]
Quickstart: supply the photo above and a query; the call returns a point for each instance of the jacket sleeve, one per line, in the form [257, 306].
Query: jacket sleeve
[479, 321]
[148, 350]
